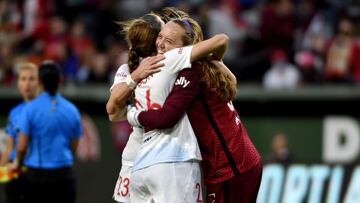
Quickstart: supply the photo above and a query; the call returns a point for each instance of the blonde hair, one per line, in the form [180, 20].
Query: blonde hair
[211, 76]
[170, 13]
[26, 66]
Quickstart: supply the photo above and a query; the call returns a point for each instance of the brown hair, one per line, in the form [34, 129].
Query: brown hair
[141, 35]
[211, 76]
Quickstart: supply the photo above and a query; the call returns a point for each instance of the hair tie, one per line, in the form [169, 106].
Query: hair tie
[187, 24]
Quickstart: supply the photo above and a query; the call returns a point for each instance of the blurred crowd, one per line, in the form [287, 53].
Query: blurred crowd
[277, 43]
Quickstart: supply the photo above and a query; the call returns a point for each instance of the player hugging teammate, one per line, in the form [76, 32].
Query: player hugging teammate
[183, 108]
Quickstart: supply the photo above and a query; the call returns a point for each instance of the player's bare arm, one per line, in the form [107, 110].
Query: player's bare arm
[117, 101]
[216, 45]
[120, 93]
[148, 66]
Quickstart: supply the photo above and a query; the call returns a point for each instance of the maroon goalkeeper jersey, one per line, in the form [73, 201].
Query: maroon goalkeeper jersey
[224, 143]
[225, 146]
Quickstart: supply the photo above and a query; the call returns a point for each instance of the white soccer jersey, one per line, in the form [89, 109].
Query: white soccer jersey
[135, 139]
[179, 143]
[121, 74]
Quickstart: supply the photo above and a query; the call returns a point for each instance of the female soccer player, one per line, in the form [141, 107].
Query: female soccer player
[231, 164]
[172, 151]
[142, 31]
[137, 49]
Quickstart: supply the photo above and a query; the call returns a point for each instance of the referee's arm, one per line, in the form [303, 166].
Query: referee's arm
[4, 157]
[74, 145]
[21, 149]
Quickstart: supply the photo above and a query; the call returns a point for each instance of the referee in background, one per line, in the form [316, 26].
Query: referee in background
[50, 129]
[27, 83]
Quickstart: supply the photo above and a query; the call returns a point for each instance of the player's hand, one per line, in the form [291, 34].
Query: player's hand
[148, 66]
[132, 116]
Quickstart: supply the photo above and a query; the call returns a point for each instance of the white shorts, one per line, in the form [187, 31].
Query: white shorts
[121, 192]
[122, 187]
[132, 146]
[176, 182]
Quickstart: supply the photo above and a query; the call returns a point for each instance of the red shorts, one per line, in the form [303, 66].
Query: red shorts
[239, 189]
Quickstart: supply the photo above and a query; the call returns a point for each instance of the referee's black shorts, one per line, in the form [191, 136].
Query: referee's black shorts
[55, 185]
[14, 190]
